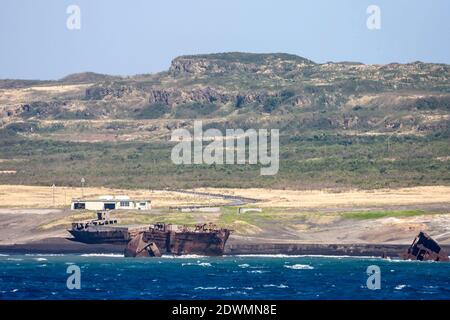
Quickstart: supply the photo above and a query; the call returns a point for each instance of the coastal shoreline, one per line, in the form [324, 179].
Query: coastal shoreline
[67, 246]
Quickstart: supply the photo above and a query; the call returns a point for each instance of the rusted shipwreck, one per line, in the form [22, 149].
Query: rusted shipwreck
[203, 239]
[424, 248]
[152, 240]
[103, 230]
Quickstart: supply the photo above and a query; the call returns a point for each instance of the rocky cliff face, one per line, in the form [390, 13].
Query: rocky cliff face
[197, 66]
[174, 96]
[237, 63]
[206, 95]
[102, 91]
[294, 90]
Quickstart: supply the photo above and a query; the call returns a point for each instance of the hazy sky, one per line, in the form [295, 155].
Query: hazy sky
[136, 36]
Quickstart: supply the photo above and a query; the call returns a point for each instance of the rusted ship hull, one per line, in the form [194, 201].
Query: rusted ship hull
[152, 240]
[178, 243]
[424, 248]
[100, 236]
[111, 234]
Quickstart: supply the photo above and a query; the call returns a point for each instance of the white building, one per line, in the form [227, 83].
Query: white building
[111, 203]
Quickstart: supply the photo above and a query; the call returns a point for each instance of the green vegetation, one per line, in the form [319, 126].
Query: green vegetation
[364, 215]
[195, 110]
[341, 124]
[306, 162]
[153, 111]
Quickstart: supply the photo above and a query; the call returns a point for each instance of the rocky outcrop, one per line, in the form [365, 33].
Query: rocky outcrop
[198, 66]
[103, 91]
[350, 122]
[173, 97]
[354, 96]
[301, 101]
[15, 110]
[237, 62]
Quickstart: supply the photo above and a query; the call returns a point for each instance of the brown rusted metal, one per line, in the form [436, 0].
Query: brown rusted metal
[137, 247]
[204, 239]
[153, 240]
[104, 230]
[424, 248]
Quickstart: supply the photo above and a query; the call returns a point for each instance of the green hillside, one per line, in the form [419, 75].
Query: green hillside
[341, 124]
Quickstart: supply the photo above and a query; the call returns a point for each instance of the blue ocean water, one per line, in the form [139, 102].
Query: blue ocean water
[232, 277]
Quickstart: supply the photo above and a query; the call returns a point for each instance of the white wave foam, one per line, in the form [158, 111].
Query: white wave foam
[400, 286]
[198, 263]
[109, 255]
[244, 265]
[281, 286]
[300, 267]
[412, 261]
[14, 259]
[40, 259]
[268, 256]
[44, 254]
[205, 264]
[187, 256]
[304, 256]
[213, 288]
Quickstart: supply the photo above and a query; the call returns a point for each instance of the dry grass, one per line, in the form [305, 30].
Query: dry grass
[42, 197]
[331, 198]
[26, 95]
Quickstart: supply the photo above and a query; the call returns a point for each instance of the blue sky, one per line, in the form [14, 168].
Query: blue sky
[136, 36]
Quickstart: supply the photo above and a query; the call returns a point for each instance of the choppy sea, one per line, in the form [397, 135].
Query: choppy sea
[231, 277]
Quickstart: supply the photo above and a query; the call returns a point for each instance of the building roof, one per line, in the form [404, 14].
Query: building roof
[111, 200]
